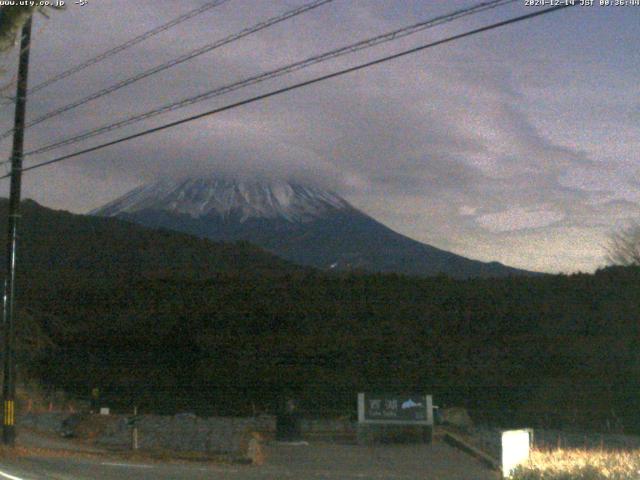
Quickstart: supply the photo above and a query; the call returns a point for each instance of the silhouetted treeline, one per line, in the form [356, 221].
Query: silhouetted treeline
[557, 351]
[175, 323]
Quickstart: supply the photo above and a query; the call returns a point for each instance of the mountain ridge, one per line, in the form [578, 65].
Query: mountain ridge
[54, 243]
[300, 223]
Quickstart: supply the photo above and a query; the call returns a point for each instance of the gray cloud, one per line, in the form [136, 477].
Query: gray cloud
[490, 147]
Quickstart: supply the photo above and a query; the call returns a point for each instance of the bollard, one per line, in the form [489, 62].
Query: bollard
[515, 449]
[134, 431]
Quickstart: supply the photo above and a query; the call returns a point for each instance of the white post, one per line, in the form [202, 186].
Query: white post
[360, 407]
[135, 430]
[430, 409]
[515, 450]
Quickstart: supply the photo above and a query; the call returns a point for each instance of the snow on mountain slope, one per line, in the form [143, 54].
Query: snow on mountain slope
[200, 197]
[303, 224]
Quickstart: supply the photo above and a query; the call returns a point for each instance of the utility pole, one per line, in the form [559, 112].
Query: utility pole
[9, 383]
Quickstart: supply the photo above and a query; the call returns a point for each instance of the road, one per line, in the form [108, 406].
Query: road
[309, 462]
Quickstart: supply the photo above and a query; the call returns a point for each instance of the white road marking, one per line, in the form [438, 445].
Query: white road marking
[10, 477]
[126, 465]
[213, 468]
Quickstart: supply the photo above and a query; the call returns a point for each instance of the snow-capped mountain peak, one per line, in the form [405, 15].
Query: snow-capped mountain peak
[303, 224]
[224, 197]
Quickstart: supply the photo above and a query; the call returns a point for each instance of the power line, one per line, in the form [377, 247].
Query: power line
[298, 85]
[127, 44]
[172, 63]
[271, 74]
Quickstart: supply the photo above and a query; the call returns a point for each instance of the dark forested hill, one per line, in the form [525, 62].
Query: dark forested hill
[172, 323]
[57, 243]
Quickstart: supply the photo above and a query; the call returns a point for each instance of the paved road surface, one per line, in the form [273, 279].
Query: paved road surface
[311, 462]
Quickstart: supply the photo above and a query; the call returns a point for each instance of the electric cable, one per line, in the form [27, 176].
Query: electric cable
[172, 63]
[299, 85]
[271, 74]
[126, 45]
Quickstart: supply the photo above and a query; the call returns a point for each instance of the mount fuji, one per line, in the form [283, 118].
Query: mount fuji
[301, 223]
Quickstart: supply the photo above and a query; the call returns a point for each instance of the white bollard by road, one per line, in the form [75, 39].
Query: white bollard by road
[515, 450]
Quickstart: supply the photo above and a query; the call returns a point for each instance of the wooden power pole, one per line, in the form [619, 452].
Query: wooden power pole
[9, 383]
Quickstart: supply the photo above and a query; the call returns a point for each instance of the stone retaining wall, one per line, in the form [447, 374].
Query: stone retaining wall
[49, 422]
[184, 432]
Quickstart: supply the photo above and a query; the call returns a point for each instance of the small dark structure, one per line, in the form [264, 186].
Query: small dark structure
[288, 422]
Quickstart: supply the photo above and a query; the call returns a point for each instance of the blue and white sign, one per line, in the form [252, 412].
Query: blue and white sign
[395, 409]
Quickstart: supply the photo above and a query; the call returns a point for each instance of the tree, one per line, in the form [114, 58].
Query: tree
[12, 19]
[624, 246]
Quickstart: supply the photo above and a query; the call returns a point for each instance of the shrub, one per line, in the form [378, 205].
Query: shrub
[580, 465]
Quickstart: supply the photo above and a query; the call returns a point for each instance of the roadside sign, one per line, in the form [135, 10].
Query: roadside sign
[395, 409]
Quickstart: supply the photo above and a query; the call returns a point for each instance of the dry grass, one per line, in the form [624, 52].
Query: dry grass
[580, 465]
[155, 456]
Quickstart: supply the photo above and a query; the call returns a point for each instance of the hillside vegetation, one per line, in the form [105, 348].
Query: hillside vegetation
[56, 243]
[212, 328]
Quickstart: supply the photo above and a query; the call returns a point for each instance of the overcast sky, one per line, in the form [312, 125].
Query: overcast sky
[519, 145]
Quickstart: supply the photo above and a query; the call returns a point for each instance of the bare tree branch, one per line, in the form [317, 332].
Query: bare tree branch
[624, 246]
